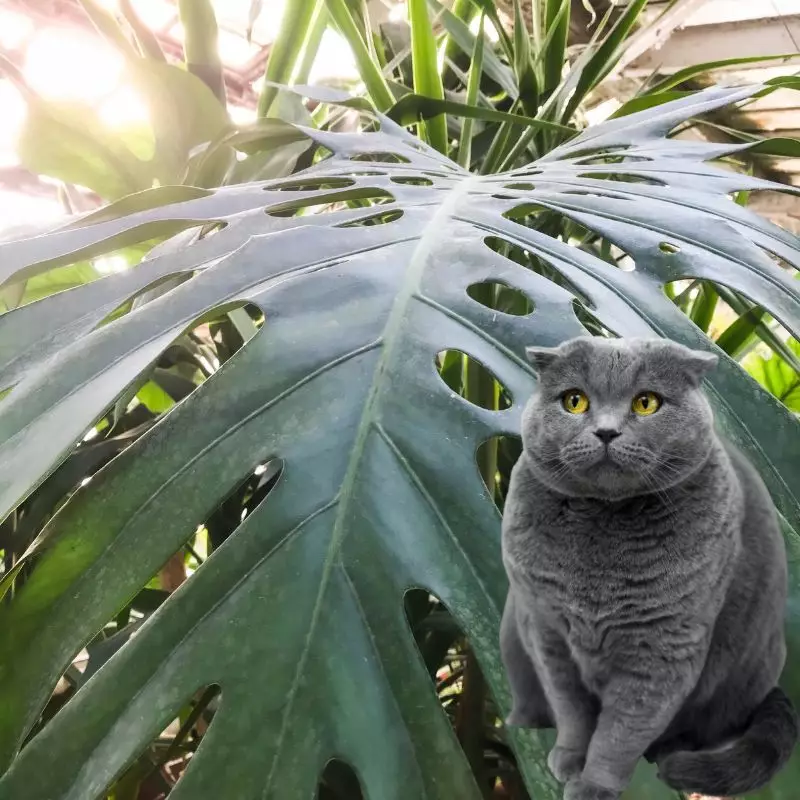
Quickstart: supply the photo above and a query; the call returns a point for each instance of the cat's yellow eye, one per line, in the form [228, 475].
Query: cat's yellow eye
[575, 401]
[646, 403]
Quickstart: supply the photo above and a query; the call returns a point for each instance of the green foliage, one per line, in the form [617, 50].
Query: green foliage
[779, 378]
[305, 399]
[379, 491]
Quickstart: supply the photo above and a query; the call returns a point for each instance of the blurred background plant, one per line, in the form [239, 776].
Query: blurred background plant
[145, 97]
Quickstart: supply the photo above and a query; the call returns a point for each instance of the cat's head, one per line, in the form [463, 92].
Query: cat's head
[615, 418]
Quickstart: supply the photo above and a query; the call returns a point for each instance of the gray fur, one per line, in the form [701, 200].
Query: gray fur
[647, 580]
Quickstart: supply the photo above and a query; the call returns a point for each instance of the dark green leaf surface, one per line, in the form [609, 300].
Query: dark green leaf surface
[298, 617]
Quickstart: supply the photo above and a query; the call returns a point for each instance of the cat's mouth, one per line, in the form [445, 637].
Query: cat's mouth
[607, 460]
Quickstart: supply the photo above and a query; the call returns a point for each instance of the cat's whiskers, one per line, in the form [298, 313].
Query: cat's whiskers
[662, 495]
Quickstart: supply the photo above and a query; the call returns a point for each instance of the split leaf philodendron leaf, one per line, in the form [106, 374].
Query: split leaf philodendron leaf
[298, 617]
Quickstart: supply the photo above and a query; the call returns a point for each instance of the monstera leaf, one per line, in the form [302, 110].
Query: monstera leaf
[299, 616]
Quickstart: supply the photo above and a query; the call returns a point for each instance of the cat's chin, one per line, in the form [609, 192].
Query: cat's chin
[604, 479]
[611, 481]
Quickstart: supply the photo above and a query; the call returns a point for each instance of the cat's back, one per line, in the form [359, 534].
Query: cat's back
[758, 591]
[760, 528]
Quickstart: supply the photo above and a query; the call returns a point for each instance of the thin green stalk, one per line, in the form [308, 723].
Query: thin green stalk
[703, 307]
[553, 106]
[186, 728]
[425, 66]
[495, 154]
[371, 38]
[762, 330]
[461, 35]
[518, 149]
[464, 157]
[200, 47]
[145, 38]
[537, 27]
[194, 554]
[524, 67]
[286, 49]
[682, 299]
[553, 49]
[737, 337]
[464, 10]
[606, 56]
[108, 26]
[370, 72]
[489, 8]
[316, 30]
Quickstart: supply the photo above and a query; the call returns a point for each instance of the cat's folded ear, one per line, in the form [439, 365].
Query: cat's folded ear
[697, 363]
[541, 357]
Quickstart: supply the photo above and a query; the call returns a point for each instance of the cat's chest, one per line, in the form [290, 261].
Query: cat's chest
[602, 549]
[593, 568]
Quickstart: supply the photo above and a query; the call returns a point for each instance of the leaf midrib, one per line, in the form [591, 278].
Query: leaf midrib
[392, 329]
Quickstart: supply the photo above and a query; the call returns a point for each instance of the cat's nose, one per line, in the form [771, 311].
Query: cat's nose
[606, 435]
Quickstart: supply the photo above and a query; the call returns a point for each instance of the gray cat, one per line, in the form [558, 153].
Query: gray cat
[647, 578]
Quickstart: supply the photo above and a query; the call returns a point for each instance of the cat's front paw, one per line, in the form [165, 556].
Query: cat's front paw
[566, 764]
[579, 789]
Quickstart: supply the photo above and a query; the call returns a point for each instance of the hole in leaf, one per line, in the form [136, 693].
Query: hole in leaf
[590, 241]
[778, 206]
[622, 177]
[390, 158]
[311, 185]
[121, 628]
[522, 187]
[501, 297]
[61, 279]
[782, 263]
[183, 366]
[241, 503]
[495, 458]
[355, 198]
[373, 219]
[221, 523]
[464, 695]
[472, 380]
[191, 359]
[412, 181]
[669, 248]
[746, 331]
[339, 782]
[600, 156]
[317, 154]
[591, 193]
[162, 763]
[531, 215]
[212, 229]
[690, 294]
[533, 262]
[591, 322]
[146, 294]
